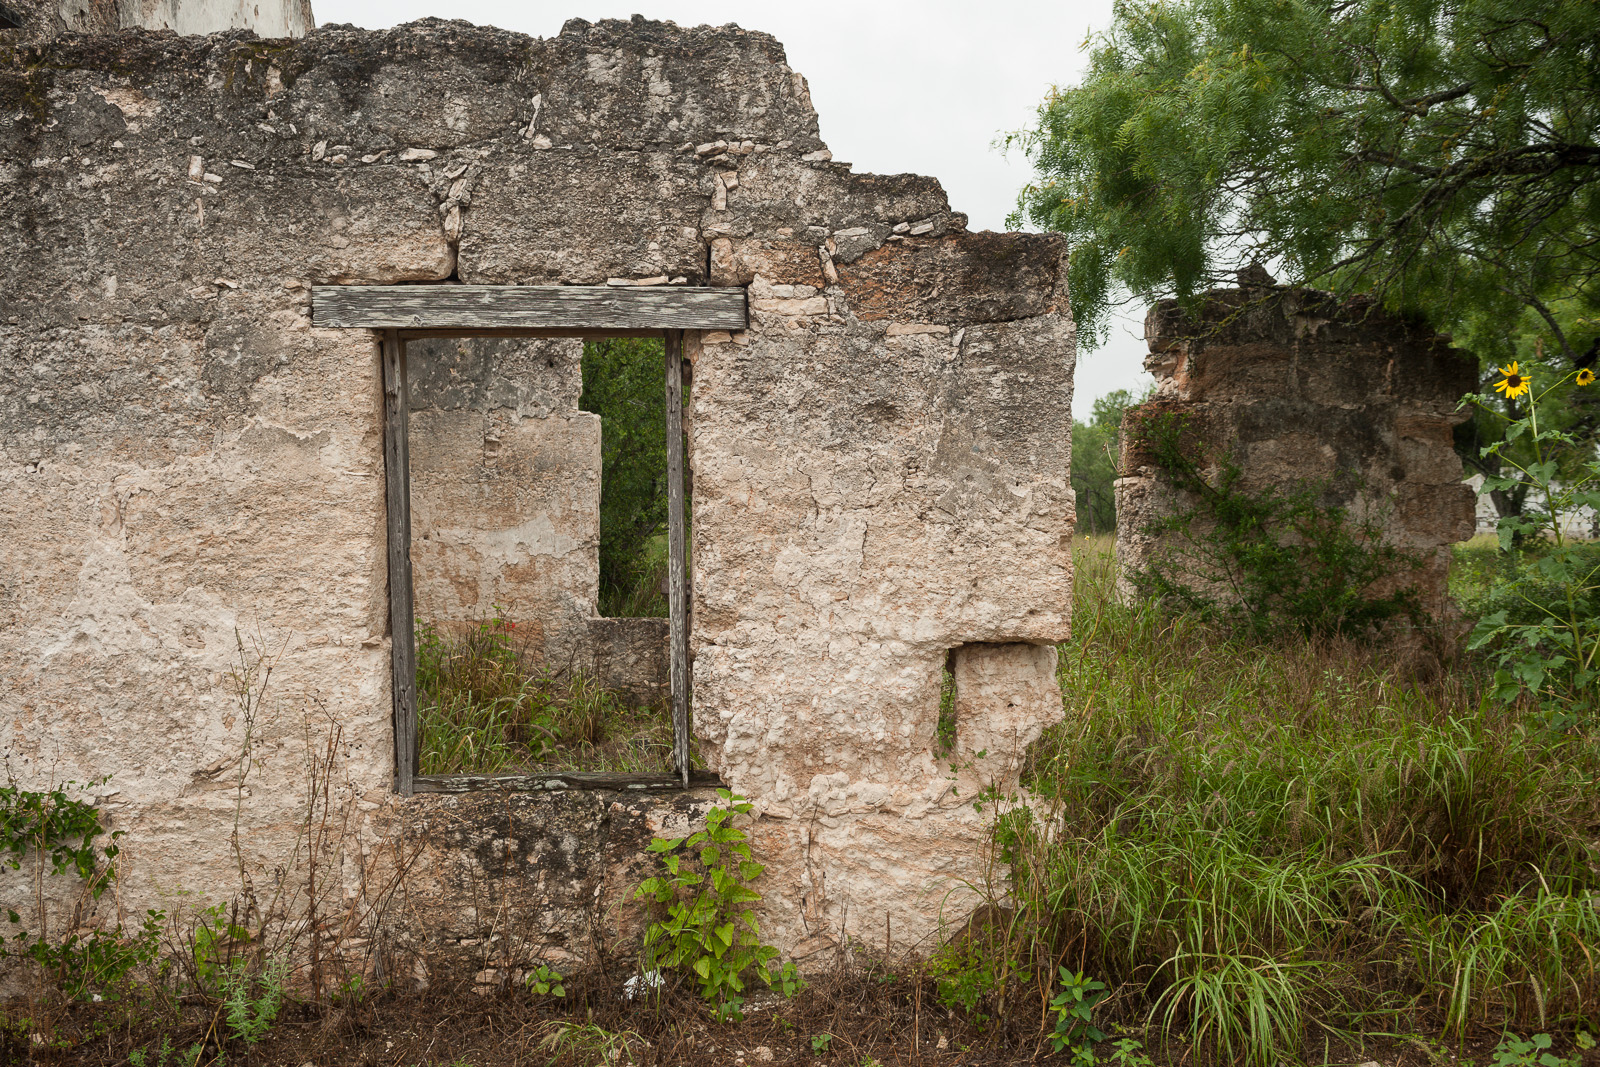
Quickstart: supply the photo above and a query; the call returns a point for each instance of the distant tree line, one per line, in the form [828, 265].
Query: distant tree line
[1096, 445]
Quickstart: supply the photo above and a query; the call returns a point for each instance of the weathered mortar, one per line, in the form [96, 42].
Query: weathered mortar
[880, 461]
[1296, 388]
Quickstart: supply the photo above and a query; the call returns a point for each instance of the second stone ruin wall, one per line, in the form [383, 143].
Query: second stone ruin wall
[1296, 388]
[505, 489]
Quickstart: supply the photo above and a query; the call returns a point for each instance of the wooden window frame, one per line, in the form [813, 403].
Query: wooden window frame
[413, 312]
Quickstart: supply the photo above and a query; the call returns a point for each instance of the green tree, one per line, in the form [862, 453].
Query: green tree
[624, 383]
[1095, 450]
[1441, 154]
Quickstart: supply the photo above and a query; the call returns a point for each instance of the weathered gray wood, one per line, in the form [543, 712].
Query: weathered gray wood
[397, 486]
[677, 577]
[529, 307]
[555, 781]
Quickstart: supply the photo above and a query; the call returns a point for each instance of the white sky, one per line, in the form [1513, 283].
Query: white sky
[899, 85]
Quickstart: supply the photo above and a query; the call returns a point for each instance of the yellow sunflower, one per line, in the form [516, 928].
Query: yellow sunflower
[1514, 384]
[1586, 377]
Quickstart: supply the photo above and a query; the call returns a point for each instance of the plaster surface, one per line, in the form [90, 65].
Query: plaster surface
[191, 479]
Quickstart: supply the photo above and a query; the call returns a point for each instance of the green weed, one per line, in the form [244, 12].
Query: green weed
[545, 981]
[487, 706]
[1514, 1051]
[1073, 1009]
[1260, 841]
[709, 928]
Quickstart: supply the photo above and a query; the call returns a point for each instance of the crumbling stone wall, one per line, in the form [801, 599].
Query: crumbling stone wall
[880, 461]
[1297, 387]
[505, 488]
[44, 20]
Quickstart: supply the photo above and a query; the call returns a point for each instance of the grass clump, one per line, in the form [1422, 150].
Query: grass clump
[485, 705]
[1257, 843]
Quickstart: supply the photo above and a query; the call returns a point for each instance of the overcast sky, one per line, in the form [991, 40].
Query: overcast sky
[899, 85]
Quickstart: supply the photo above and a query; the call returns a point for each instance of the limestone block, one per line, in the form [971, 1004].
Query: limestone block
[501, 880]
[630, 657]
[986, 277]
[638, 83]
[779, 198]
[1005, 696]
[526, 377]
[867, 499]
[241, 527]
[538, 219]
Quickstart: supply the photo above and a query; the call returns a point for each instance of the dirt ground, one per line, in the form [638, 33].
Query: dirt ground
[858, 1019]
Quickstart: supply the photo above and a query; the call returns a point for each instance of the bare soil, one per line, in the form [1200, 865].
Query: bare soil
[852, 1019]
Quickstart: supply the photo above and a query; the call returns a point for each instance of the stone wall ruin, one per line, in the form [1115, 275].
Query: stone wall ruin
[1296, 387]
[44, 20]
[191, 473]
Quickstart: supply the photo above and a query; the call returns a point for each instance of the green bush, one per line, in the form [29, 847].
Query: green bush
[708, 928]
[1485, 579]
[1551, 652]
[624, 383]
[61, 829]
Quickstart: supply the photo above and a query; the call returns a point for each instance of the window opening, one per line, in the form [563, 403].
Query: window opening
[536, 653]
[411, 313]
[622, 384]
[945, 733]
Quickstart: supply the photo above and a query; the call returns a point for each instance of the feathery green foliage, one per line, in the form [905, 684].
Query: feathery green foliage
[1441, 153]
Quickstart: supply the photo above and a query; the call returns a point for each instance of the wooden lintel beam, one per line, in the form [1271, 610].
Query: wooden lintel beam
[559, 308]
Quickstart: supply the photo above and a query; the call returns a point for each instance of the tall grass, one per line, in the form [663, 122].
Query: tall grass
[1256, 843]
[486, 706]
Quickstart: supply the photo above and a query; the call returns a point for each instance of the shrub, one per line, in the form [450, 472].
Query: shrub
[1547, 638]
[709, 928]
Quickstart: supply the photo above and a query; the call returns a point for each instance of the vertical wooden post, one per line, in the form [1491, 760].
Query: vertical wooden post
[677, 570]
[397, 485]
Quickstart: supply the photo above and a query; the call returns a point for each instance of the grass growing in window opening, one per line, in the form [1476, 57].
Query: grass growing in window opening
[486, 706]
[1259, 845]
